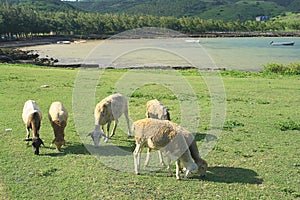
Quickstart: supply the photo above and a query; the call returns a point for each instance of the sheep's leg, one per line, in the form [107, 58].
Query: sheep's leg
[178, 170]
[186, 173]
[168, 166]
[27, 135]
[127, 121]
[161, 161]
[102, 128]
[115, 127]
[137, 156]
[147, 157]
[52, 142]
[108, 127]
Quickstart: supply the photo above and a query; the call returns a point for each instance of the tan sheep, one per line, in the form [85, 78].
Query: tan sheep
[190, 139]
[32, 117]
[109, 109]
[156, 110]
[165, 136]
[58, 116]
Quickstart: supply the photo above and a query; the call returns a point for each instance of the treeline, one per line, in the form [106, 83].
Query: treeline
[22, 21]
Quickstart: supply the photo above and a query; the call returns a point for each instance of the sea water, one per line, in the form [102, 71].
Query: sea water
[249, 54]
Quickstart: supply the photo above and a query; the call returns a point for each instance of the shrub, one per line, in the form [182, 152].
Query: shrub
[289, 125]
[278, 68]
[230, 124]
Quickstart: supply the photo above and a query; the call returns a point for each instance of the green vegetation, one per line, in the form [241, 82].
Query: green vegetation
[21, 21]
[228, 10]
[277, 68]
[42, 5]
[289, 125]
[291, 18]
[253, 159]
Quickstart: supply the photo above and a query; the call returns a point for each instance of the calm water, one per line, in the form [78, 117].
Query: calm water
[231, 53]
[251, 53]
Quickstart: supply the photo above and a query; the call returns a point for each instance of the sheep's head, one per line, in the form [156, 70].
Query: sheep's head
[96, 135]
[36, 143]
[166, 114]
[59, 143]
[202, 167]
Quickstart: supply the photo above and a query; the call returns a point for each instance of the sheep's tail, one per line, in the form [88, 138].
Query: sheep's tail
[35, 122]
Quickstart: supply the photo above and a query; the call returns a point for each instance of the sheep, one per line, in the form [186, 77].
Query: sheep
[156, 110]
[193, 148]
[109, 109]
[165, 136]
[32, 117]
[190, 139]
[58, 117]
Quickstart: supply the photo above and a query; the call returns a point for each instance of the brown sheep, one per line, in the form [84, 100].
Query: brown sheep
[58, 117]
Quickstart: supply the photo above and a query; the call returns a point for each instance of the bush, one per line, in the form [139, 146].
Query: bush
[289, 125]
[230, 124]
[277, 68]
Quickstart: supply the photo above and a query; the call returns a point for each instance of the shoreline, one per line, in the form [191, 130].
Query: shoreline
[43, 40]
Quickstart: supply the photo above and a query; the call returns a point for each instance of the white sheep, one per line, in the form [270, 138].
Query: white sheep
[32, 117]
[165, 136]
[109, 109]
[156, 110]
[58, 116]
[190, 140]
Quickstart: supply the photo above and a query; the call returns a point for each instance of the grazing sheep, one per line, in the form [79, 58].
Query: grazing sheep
[58, 117]
[165, 136]
[190, 139]
[193, 148]
[32, 117]
[156, 110]
[109, 109]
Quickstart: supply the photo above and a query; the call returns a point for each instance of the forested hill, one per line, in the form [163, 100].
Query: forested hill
[228, 10]
[44, 5]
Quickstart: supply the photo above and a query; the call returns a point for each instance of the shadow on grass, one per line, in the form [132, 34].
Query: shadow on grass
[204, 136]
[232, 175]
[110, 150]
[76, 148]
[70, 148]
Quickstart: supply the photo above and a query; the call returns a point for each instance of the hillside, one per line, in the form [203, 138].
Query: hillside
[44, 5]
[206, 9]
[227, 10]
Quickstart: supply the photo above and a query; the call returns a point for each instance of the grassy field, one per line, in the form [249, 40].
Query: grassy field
[256, 157]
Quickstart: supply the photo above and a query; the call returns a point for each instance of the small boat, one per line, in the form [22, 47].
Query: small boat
[282, 43]
[192, 41]
[64, 42]
[79, 41]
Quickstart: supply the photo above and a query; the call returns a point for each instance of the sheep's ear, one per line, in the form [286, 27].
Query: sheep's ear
[89, 134]
[42, 142]
[28, 139]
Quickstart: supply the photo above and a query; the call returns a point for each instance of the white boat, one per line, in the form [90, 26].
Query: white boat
[64, 42]
[282, 43]
[192, 41]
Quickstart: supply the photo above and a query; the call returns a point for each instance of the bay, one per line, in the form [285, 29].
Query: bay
[248, 54]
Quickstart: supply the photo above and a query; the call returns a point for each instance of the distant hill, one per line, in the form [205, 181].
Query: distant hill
[44, 5]
[206, 9]
[227, 10]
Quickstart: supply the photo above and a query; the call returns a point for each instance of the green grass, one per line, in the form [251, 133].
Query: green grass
[253, 159]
